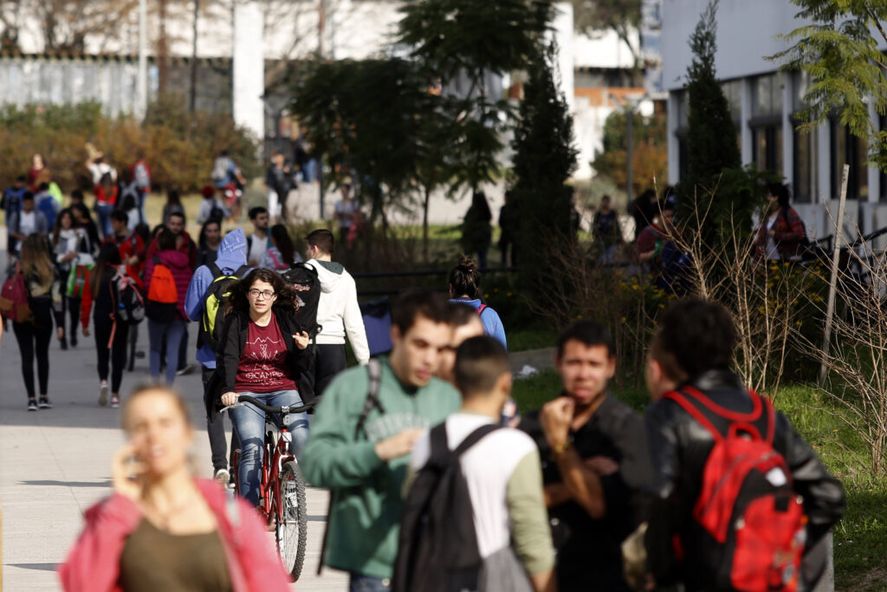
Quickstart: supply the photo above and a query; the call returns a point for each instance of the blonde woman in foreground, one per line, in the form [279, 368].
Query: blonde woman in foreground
[163, 529]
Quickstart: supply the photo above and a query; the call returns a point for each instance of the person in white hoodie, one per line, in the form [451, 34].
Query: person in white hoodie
[337, 312]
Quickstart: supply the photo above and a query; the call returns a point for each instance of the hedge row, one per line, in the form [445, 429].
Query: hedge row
[179, 146]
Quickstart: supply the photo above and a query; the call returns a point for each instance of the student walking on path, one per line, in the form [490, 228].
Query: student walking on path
[100, 296]
[167, 274]
[338, 312]
[231, 261]
[163, 529]
[361, 440]
[503, 474]
[40, 283]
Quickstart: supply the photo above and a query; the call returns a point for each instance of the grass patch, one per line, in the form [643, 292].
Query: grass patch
[526, 339]
[861, 537]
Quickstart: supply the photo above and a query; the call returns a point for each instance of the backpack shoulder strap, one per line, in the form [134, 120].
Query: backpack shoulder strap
[242, 270]
[214, 269]
[690, 407]
[701, 408]
[481, 309]
[474, 437]
[374, 373]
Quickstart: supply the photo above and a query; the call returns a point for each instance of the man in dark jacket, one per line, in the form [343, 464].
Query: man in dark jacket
[692, 352]
[586, 440]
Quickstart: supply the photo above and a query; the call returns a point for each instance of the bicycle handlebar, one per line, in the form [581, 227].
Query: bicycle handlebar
[281, 410]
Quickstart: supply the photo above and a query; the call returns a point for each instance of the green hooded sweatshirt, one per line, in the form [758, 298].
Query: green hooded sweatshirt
[367, 492]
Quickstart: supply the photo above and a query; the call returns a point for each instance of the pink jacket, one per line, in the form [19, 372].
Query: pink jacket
[93, 563]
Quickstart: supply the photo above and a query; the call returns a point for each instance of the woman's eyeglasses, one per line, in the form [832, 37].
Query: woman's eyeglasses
[266, 294]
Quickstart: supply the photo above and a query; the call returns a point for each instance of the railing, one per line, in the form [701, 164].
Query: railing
[422, 273]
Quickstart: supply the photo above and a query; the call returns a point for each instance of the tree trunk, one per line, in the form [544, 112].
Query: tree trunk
[192, 98]
[162, 51]
[425, 207]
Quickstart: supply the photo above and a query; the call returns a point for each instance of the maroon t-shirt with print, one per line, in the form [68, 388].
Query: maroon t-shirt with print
[262, 366]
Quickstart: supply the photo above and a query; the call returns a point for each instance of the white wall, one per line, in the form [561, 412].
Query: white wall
[748, 32]
[249, 67]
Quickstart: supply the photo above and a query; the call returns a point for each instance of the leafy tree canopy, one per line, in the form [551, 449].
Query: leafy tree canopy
[838, 50]
[449, 37]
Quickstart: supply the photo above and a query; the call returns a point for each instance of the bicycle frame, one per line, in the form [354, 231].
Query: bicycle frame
[272, 505]
[276, 453]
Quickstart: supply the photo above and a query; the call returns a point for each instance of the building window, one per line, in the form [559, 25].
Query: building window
[733, 91]
[766, 123]
[846, 148]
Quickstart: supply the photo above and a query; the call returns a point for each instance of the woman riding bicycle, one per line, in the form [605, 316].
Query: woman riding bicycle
[263, 353]
[162, 529]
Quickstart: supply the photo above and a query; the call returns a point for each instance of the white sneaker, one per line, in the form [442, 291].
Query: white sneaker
[103, 394]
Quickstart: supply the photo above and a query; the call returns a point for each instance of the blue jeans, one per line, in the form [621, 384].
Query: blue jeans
[171, 333]
[140, 205]
[104, 212]
[249, 423]
[361, 583]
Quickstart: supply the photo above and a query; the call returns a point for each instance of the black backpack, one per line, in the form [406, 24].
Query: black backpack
[217, 294]
[438, 550]
[303, 279]
[129, 300]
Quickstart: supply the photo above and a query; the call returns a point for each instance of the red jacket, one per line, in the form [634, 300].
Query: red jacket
[93, 564]
[102, 197]
[788, 234]
[129, 246]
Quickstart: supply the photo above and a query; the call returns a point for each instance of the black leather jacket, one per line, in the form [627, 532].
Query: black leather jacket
[679, 446]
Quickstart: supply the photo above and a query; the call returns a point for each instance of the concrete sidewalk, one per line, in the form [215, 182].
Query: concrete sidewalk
[54, 464]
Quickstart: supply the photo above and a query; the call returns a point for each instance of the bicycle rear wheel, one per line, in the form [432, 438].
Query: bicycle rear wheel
[291, 532]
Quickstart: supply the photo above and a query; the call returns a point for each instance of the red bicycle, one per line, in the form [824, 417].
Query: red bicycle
[282, 499]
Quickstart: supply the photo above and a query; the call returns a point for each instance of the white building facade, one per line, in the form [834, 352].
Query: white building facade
[765, 104]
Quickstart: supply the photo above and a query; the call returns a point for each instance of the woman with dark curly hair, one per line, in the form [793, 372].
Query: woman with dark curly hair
[464, 287]
[263, 352]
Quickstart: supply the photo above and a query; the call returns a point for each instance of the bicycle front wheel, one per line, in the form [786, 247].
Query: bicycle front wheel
[291, 532]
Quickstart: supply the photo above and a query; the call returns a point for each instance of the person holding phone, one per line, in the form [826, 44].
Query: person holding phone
[263, 355]
[162, 529]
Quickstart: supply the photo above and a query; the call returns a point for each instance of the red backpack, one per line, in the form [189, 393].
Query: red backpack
[162, 285]
[14, 304]
[746, 503]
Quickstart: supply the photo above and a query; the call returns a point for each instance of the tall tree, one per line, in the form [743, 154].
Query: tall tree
[469, 41]
[716, 197]
[544, 159]
[364, 115]
[838, 50]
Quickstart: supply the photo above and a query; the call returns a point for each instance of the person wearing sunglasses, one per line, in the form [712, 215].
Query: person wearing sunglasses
[263, 353]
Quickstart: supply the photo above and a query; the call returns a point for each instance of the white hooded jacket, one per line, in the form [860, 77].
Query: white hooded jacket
[338, 312]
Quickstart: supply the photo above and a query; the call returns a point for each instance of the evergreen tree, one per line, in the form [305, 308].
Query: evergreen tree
[544, 159]
[716, 196]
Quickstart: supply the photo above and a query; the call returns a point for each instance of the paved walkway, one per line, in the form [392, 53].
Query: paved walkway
[54, 464]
